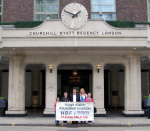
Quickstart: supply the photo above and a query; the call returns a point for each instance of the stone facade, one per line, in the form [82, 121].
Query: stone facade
[103, 47]
[126, 10]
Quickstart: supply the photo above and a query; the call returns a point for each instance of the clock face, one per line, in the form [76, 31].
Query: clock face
[74, 15]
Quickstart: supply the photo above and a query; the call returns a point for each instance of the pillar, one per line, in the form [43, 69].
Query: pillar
[98, 90]
[16, 89]
[133, 100]
[0, 83]
[114, 83]
[35, 88]
[51, 90]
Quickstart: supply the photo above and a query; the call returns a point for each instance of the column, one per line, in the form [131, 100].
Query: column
[133, 100]
[36, 88]
[98, 89]
[114, 99]
[16, 90]
[0, 83]
[51, 90]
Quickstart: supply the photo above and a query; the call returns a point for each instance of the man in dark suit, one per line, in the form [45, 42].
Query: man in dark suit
[75, 98]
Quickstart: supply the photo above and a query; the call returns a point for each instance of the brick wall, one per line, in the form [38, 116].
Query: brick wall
[131, 10]
[85, 3]
[18, 10]
[23, 10]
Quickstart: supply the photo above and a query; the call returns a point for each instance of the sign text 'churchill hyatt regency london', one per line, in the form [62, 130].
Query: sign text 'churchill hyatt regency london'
[75, 33]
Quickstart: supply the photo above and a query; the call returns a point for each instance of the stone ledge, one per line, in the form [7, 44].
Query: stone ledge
[48, 115]
[81, 125]
[100, 115]
[133, 115]
[95, 115]
[16, 115]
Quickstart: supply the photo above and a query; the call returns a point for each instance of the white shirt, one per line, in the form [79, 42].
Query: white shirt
[74, 98]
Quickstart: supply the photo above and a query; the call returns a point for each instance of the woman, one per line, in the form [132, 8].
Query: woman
[148, 104]
[65, 99]
[83, 96]
[57, 100]
[89, 99]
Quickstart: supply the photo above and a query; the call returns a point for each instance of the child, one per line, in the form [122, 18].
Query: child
[57, 100]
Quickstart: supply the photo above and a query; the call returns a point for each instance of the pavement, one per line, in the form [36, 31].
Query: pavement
[98, 122]
[113, 119]
[48, 128]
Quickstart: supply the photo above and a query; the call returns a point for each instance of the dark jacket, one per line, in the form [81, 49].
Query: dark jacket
[63, 99]
[77, 98]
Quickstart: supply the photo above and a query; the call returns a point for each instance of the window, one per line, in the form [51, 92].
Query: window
[1, 8]
[107, 7]
[44, 7]
[148, 10]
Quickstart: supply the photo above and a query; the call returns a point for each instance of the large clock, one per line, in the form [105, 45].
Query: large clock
[74, 15]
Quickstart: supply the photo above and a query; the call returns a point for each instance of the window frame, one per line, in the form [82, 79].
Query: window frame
[1, 11]
[103, 12]
[45, 13]
[148, 13]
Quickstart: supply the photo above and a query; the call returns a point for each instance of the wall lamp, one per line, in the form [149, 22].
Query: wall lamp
[50, 67]
[98, 67]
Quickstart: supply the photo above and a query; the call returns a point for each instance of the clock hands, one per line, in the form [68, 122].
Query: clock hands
[69, 12]
[73, 15]
[76, 15]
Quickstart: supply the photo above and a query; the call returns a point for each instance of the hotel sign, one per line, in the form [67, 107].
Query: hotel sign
[75, 33]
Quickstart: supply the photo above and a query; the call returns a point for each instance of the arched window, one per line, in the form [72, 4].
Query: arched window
[107, 7]
[44, 7]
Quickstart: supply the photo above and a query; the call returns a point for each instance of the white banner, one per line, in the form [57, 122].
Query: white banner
[75, 111]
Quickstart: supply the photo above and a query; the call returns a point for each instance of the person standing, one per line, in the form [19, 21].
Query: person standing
[89, 99]
[148, 104]
[57, 100]
[75, 98]
[83, 96]
[65, 99]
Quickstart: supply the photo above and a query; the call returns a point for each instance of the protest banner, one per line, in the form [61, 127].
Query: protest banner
[75, 111]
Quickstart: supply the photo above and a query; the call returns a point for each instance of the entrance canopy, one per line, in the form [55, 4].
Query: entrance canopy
[52, 36]
[96, 33]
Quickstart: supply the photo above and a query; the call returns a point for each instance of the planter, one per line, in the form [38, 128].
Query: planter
[3, 106]
[146, 112]
[145, 103]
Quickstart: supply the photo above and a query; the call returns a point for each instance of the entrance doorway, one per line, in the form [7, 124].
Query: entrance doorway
[35, 88]
[66, 80]
[114, 78]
